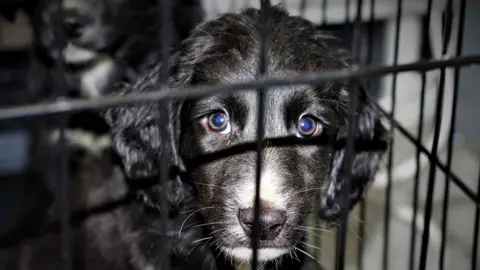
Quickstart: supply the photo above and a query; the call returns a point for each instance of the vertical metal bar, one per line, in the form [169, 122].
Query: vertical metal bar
[476, 228]
[165, 35]
[264, 13]
[318, 234]
[411, 261]
[363, 206]
[317, 241]
[371, 29]
[164, 169]
[347, 14]
[450, 137]
[453, 120]
[324, 12]
[413, 226]
[343, 229]
[386, 237]
[63, 202]
[432, 170]
[431, 178]
[346, 173]
[303, 6]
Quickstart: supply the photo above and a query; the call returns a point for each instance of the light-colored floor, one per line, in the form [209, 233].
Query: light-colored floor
[460, 218]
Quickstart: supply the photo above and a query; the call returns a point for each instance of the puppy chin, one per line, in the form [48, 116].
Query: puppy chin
[264, 254]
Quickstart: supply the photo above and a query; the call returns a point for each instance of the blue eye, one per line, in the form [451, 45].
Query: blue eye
[218, 122]
[308, 127]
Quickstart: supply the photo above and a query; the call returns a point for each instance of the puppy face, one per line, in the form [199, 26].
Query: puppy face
[290, 176]
[312, 117]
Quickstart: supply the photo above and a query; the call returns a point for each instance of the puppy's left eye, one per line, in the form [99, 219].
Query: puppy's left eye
[218, 122]
[308, 127]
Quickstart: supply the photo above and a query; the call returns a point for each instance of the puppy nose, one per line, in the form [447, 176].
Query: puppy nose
[272, 222]
[73, 27]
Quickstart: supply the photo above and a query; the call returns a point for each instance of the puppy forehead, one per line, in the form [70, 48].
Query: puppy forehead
[277, 100]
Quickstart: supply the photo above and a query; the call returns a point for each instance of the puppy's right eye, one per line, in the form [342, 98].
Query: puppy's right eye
[308, 127]
[218, 122]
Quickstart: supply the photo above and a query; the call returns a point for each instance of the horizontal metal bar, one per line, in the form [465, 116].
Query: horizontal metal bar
[68, 105]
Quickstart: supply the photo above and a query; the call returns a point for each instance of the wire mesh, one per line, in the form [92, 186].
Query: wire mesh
[61, 109]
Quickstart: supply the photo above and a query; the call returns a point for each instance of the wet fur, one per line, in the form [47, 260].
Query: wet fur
[226, 50]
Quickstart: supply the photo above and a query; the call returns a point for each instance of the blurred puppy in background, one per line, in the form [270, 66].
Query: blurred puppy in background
[100, 43]
[103, 41]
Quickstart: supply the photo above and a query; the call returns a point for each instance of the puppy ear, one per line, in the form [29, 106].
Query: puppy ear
[136, 130]
[370, 145]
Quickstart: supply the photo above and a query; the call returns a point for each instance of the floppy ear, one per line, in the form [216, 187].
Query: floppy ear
[370, 145]
[136, 130]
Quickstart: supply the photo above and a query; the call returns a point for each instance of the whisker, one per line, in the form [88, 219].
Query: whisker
[356, 219]
[241, 263]
[307, 190]
[207, 243]
[355, 232]
[307, 231]
[336, 102]
[312, 246]
[307, 254]
[219, 230]
[210, 223]
[315, 229]
[200, 240]
[296, 256]
[210, 185]
[221, 252]
[181, 227]
[192, 210]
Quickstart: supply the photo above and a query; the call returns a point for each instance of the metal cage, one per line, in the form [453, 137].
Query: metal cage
[443, 25]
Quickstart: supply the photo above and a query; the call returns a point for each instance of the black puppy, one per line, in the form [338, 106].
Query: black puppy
[108, 40]
[100, 43]
[313, 117]
[114, 225]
